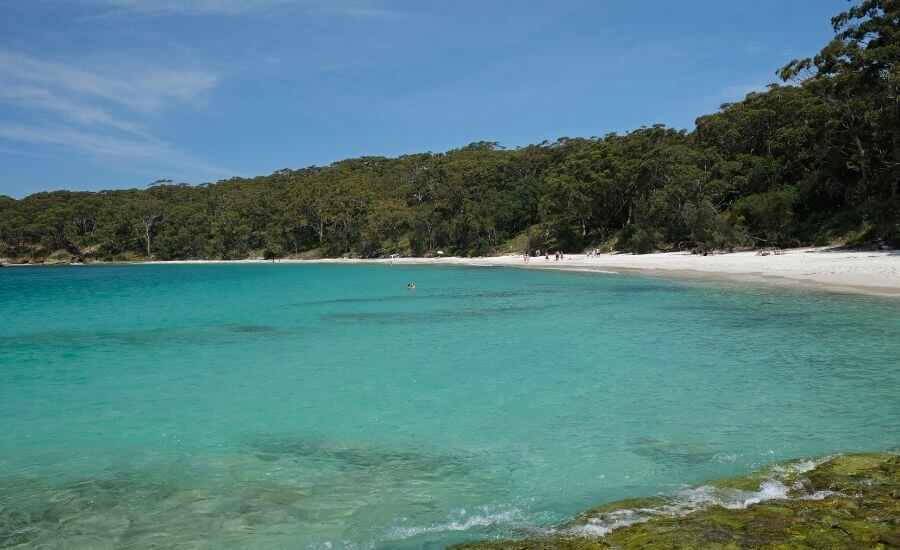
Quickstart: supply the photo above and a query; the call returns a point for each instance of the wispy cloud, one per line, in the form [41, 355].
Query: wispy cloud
[80, 140]
[95, 110]
[144, 89]
[111, 147]
[43, 100]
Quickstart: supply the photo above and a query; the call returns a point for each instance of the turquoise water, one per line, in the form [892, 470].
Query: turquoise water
[328, 406]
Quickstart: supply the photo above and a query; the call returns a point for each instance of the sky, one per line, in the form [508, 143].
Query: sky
[107, 94]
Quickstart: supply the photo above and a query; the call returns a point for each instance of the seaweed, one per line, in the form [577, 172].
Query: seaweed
[850, 501]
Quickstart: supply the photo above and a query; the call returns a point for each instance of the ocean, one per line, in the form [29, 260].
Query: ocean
[329, 406]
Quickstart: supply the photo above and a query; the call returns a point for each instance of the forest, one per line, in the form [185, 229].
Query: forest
[813, 160]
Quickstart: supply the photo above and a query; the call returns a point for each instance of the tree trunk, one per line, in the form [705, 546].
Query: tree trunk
[862, 158]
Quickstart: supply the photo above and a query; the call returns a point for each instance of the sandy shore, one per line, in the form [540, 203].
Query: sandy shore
[849, 271]
[867, 272]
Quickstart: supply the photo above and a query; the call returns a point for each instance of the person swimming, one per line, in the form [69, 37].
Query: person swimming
[411, 286]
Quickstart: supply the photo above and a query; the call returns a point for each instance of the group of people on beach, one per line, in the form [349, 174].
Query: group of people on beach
[558, 255]
[774, 250]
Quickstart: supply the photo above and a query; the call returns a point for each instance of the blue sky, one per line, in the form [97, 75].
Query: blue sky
[100, 94]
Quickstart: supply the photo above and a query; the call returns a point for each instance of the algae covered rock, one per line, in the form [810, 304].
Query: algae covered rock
[850, 501]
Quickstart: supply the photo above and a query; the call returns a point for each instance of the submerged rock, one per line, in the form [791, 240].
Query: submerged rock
[667, 452]
[850, 501]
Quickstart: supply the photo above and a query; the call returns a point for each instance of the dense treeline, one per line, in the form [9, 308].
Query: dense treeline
[812, 161]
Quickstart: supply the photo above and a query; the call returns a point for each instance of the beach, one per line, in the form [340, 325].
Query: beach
[836, 269]
[867, 272]
[853, 271]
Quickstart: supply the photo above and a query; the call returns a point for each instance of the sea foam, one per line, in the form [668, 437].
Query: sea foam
[776, 487]
[463, 522]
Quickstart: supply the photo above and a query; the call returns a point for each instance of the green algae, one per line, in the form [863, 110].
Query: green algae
[850, 501]
[751, 482]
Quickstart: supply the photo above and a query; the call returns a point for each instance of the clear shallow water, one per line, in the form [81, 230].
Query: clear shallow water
[302, 406]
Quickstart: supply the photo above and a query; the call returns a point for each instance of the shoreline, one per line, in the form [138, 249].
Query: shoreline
[841, 501]
[846, 272]
[874, 273]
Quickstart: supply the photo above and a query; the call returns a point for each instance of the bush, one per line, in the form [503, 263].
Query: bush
[533, 238]
[272, 253]
[637, 239]
[769, 217]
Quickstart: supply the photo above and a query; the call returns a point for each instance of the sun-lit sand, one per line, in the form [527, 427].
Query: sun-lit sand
[871, 272]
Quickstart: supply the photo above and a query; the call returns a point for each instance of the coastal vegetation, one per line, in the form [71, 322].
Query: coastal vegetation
[813, 160]
[845, 502]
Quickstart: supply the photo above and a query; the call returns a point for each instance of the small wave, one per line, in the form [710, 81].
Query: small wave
[777, 486]
[459, 521]
[799, 467]
[781, 483]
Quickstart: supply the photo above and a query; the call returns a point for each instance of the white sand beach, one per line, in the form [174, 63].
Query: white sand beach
[871, 272]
